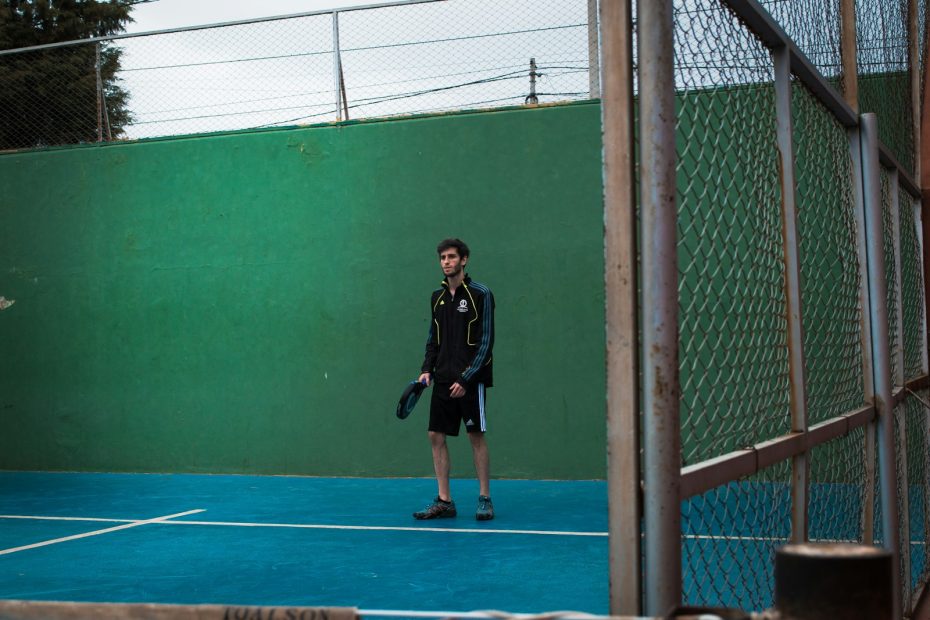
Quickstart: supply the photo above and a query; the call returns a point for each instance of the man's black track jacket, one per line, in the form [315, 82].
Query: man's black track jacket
[461, 335]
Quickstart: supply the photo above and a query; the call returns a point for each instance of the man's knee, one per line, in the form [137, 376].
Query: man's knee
[477, 440]
[437, 439]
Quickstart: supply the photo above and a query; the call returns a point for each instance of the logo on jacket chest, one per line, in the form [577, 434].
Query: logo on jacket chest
[463, 306]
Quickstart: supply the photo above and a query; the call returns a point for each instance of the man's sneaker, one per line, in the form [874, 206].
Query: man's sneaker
[439, 509]
[485, 508]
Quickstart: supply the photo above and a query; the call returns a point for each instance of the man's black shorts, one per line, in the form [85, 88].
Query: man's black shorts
[446, 413]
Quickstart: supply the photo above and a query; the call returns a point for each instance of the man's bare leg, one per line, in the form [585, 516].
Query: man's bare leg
[479, 448]
[441, 463]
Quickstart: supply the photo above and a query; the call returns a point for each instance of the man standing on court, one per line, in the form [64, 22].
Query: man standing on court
[458, 365]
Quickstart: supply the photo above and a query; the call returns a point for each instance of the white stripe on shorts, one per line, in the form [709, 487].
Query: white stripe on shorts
[484, 426]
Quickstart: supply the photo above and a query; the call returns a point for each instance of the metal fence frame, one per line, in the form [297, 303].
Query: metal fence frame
[665, 483]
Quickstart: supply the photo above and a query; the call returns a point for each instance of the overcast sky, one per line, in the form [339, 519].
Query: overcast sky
[162, 14]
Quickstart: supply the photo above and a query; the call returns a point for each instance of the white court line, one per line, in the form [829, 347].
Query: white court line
[398, 613]
[99, 532]
[40, 518]
[310, 526]
[313, 526]
[384, 528]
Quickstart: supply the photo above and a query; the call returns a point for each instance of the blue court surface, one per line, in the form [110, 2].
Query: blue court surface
[294, 541]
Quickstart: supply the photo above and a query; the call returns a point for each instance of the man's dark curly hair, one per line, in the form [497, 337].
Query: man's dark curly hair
[458, 244]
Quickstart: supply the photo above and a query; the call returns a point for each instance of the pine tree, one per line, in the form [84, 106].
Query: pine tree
[50, 97]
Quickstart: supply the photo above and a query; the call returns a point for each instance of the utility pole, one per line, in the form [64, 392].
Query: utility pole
[532, 99]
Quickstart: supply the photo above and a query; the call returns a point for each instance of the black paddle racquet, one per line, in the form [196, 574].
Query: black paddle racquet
[408, 400]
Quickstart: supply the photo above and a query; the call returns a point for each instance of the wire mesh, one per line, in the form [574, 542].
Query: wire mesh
[50, 97]
[884, 74]
[837, 491]
[916, 421]
[912, 289]
[888, 238]
[830, 270]
[401, 59]
[472, 54]
[733, 355]
[250, 75]
[814, 26]
[729, 537]
[901, 467]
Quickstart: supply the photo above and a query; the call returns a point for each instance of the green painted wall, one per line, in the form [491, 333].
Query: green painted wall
[254, 302]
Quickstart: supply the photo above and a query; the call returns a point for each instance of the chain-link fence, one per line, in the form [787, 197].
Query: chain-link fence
[793, 342]
[408, 58]
[768, 137]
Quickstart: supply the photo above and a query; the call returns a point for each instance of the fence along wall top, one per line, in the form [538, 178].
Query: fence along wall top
[242, 22]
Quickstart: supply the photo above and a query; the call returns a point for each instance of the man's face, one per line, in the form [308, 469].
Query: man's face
[451, 263]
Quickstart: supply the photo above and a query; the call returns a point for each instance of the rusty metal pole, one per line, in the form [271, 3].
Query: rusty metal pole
[881, 357]
[99, 93]
[661, 390]
[850, 71]
[594, 78]
[800, 467]
[337, 66]
[897, 377]
[913, 57]
[848, 38]
[620, 276]
[865, 323]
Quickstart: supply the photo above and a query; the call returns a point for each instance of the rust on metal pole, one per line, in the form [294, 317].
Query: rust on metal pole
[795, 336]
[661, 390]
[99, 91]
[923, 177]
[850, 70]
[913, 58]
[881, 354]
[623, 475]
[594, 78]
[865, 333]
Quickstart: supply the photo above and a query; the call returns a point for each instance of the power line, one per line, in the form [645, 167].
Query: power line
[354, 87]
[355, 49]
[359, 102]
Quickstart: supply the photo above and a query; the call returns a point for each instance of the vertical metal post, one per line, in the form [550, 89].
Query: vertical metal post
[918, 230]
[898, 376]
[913, 57]
[868, 385]
[850, 70]
[620, 278]
[789, 215]
[898, 352]
[878, 289]
[661, 390]
[337, 66]
[594, 83]
[921, 242]
[99, 93]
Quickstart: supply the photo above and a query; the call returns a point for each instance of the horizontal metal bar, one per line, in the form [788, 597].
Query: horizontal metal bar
[861, 417]
[710, 474]
[887, 158]
[827, 431]
[241, 22]
[696, 479]
[902, 392]
[779, 449]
